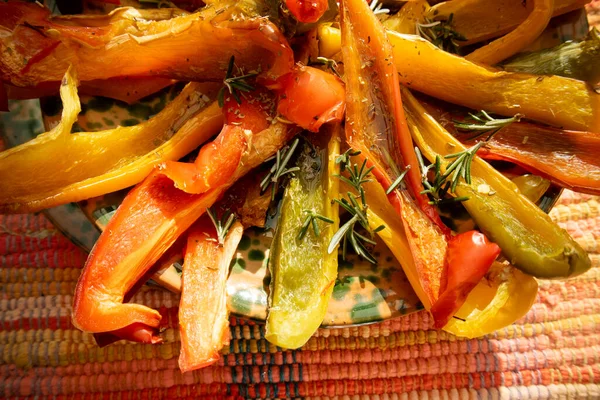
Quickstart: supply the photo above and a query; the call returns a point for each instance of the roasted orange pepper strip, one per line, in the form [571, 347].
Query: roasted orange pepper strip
[567, 158]
[203, 315]
[375, 125]
[517, 40]
[192, 47]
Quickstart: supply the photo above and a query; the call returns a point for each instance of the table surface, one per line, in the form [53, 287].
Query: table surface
[553, 352]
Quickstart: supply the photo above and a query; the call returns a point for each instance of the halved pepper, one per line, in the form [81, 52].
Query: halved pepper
[192, 47]
[527, 235]
[203, 316]
[41, 173]
[479, 20]
[303, 273]
[567, 158]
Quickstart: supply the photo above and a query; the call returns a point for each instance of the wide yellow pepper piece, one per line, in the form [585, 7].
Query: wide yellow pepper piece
[479, 20]
[517, 40]
[60, 167]
[554, 100]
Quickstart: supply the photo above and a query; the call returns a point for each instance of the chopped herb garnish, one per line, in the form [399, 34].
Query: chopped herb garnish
[327, 62]
[347, 232]
[441, 34]
[483, 123]
[312, 220]
[279, 168]
[234, 84]
[221, 225]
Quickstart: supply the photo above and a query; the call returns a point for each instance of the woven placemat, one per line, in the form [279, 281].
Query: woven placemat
[553, 351]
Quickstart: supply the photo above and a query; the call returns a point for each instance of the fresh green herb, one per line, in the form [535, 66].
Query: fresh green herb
[441, 34]
[398, 180]
[327, 62]
[357, 176]
[234, 84]
[377, 8]
[279, 168]
[221, 225]
[312, 220]
[483, 123]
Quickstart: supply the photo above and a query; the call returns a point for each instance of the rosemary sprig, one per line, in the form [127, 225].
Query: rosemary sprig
[441, 34]
[347, 232]
[312, 220]
[221, 225]
[398, 180]
[327, 62]
[377, 8]
[279, 168]
[234, 84]
[484, 123]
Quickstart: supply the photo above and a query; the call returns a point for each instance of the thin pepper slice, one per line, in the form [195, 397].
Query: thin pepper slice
[479, 20]
[303, 273]
[517, 40]
[192, 47]
[148, 221]
[203, 316]
[528, 237]
[567, 158]
[376, 126]
[40, 173]
[405, 20]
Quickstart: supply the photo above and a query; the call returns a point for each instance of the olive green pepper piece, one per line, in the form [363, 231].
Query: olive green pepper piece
[303, 274]
[531, 186]
[529, 239]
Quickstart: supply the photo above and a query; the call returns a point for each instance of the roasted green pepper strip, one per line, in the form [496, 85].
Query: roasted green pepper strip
[527, 236]
[303, 272]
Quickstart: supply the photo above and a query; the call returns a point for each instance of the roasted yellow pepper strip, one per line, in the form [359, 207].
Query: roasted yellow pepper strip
[303, 272]
[517, 40]
[554, 100]
[479, 20]
[494, 303]
[60, 167]
[528, 237]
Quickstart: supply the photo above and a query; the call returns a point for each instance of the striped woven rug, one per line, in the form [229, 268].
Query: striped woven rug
[554, 351]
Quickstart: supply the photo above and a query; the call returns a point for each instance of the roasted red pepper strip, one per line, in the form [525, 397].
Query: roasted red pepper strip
[375, 125]
[203, 316]
[310, 97]
[470, 256]
[307, 10]
[148, 221]
[36, 48]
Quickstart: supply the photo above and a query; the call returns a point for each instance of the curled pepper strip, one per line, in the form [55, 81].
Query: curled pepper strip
[148, 221]
[517, 40]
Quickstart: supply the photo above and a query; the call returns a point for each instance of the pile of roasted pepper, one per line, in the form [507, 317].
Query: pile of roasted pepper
[353, 120]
